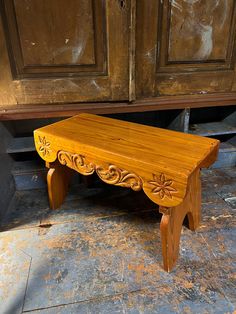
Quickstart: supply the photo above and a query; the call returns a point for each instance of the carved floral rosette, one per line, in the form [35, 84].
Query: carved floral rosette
[44, 147]
[162, 186]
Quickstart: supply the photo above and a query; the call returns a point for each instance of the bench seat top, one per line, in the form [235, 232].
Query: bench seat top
[153, 153]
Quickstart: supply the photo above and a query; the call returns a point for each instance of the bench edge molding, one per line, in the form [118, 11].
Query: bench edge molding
[159, 187]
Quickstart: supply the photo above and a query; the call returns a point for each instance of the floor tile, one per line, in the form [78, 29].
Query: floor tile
[26, 210]
[14, 270]
[101, 253]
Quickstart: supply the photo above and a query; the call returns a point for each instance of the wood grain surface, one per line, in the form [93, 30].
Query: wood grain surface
[166, 157]
[164, 164]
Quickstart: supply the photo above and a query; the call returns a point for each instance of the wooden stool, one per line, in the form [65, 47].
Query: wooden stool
[165, 164]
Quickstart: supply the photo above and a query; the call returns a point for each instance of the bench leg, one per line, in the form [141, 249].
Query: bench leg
[172, 220]
[58, 178]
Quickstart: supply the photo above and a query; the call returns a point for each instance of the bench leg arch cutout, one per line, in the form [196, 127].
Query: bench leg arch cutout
[172, 221]
[173, 216]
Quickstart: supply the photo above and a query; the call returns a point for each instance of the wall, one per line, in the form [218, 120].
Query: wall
[6, 181]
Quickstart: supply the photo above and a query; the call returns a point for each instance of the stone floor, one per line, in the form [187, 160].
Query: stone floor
[101, 253]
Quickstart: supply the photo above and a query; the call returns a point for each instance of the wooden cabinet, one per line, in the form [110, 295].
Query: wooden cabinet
[60, 57]
[185, 47]
[58, 51]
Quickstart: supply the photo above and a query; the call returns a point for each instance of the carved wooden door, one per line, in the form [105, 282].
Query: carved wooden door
[185, 47]
[57, 51]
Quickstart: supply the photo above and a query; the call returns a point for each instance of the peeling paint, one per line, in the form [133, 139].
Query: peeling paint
[150, 55]
[205, 32]
[192, 25]
[176, 5]
[94, 83]
[77, 50]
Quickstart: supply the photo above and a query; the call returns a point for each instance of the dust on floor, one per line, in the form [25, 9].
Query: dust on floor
[101, 253]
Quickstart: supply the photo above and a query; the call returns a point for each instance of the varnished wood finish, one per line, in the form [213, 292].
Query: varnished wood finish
[105, 51]
[132, 51]
[58, 178]
[63, 51]
[164, 164]
[185, 47]
[87, 143]
[172, 220]
[50, 47]
[159, 103]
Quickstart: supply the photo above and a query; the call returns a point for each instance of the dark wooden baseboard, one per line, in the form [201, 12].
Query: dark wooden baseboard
[149, 104]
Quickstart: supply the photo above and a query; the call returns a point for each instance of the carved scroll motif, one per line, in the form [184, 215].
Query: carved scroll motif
[117, 176]
[162, 186]
[110, 175]
[76, 162]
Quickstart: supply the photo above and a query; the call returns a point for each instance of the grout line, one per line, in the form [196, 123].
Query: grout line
[100, 298]
[26, 286]
[87, 300]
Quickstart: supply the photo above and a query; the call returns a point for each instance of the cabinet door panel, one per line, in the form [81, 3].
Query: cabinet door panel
[199, 31]
[64, 51]
[187, 46]
[72, 44]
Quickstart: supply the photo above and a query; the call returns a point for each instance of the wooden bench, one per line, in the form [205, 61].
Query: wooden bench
[165, 164]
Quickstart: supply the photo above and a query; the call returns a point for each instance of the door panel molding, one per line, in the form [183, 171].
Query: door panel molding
[189, 42]
[185, 47]
[39, 51]
[45, 58]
